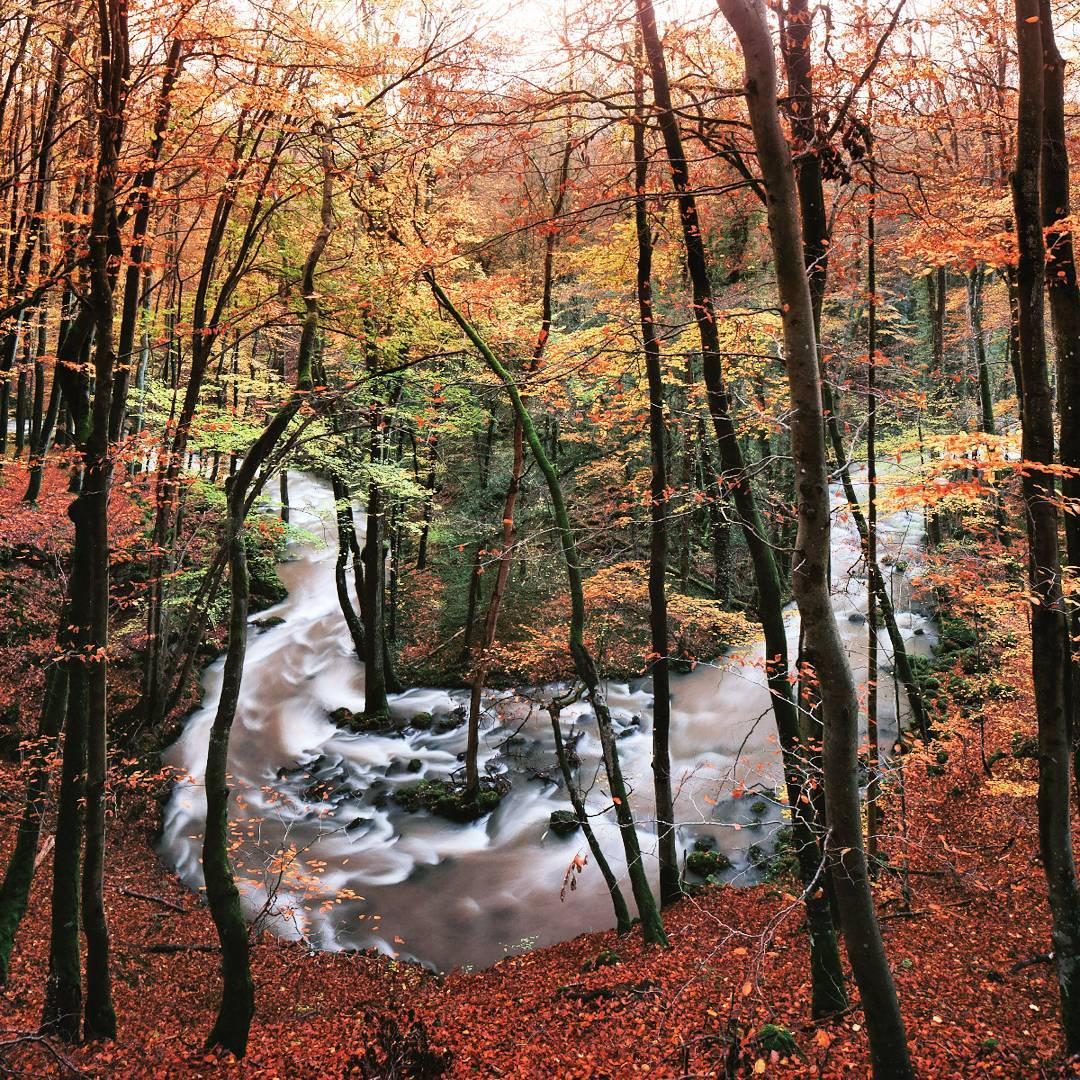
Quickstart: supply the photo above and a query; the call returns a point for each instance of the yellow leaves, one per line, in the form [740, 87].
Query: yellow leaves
[822, 1039]
[1013, 789]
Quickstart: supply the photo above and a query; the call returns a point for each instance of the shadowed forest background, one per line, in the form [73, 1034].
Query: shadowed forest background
[539, 542]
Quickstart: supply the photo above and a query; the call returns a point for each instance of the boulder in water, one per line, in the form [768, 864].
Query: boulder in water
[365, 724]
[563, 822]
[707, 863]
[444, 799]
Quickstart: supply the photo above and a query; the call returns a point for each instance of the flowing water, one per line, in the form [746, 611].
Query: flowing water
[324, 851]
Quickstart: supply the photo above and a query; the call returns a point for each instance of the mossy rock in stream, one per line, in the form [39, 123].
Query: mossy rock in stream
[563, 822]
[362, 723]
[265, 586]
[444, 799]
[707, 863]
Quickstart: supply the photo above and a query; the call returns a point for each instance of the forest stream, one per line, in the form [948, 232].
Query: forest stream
[310, 801]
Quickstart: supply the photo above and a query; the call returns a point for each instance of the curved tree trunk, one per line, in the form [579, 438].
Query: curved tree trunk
[652, 927]
[237, 1006]
[618, 901]
[810, 579]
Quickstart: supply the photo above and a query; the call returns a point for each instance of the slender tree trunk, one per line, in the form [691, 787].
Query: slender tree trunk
[376, 708]
[670, 886]
[491, 620]
[506, 551]
[15, 891]
[873, 786]
[618, 901]
[1049, 629]
[824, 649]
[976, 280]
[237, 1006]
[345, 529]
[652, 927]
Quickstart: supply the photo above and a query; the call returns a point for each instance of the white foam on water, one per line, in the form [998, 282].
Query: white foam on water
[452, 894]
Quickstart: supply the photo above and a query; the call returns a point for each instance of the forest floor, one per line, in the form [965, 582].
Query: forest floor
[970, 958]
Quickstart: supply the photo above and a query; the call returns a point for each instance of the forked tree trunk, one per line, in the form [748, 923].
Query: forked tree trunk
[824, 649]
[618, 901]
[346, 534]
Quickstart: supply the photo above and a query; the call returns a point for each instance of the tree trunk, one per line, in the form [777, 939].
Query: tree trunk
[976, 280]
[506, 550]
[345, 531]
[810, 581]
[670, 885]
[618, 901]
[652, 927]
[1049, 630]
[873, 786]
[15, 891]
[1064, 295]
[237, 1006]
[827, 974]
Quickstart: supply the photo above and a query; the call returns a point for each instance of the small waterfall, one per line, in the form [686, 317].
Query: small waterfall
[344, 867]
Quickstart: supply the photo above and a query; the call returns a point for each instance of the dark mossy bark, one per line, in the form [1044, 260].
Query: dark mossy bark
[828, 979]
[652, 926]
[1049, 625]
[15, 891]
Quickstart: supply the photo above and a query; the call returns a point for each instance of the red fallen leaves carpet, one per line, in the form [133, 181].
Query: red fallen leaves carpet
[977, 999]
[977, 992]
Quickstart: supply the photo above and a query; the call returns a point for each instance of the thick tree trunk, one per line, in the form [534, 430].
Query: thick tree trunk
[827, 974]
[1049, 629]
[810, 580]
[1064, 295]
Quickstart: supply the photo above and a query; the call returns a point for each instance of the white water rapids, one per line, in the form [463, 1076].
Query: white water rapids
[314, 826]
